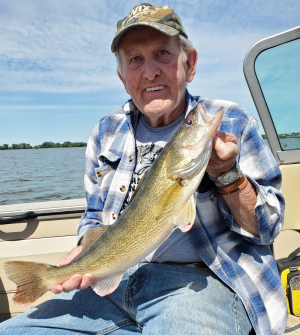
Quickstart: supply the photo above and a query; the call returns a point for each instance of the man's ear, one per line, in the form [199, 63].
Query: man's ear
[122, 80]
[192, 57]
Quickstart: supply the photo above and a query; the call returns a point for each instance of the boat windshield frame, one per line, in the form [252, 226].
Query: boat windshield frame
[286, 156]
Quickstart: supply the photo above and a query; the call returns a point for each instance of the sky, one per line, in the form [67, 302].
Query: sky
[58, 75]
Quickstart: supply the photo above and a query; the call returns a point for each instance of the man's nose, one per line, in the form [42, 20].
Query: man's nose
[151, 69]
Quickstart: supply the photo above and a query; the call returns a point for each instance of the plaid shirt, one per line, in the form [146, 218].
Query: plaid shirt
[241, 260]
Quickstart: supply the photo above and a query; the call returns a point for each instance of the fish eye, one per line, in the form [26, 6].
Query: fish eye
[189, 122]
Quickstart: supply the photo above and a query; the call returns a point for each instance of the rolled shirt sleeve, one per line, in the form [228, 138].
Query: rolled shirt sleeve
[259, 165]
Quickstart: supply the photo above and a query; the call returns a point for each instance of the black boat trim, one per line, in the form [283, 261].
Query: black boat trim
[32, 216]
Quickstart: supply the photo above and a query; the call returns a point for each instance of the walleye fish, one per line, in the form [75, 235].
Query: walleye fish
[164, 197]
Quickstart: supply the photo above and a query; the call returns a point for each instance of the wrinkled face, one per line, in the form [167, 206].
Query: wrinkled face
[154, 74]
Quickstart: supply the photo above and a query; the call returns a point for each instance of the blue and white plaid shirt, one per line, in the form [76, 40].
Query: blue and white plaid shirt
[240, 259]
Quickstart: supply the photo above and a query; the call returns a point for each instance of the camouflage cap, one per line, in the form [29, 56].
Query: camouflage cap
[163, 19]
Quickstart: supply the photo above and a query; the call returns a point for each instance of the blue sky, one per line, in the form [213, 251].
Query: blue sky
[58, 76]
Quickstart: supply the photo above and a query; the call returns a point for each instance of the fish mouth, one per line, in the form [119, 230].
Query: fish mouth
[156, 88]
[214, 123]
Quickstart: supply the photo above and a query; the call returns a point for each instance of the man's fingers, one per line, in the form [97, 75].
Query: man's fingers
[230, 138]
[57, 289]
[76, 281]
[225, 150]
[225, 137]
[86, 281]
[223, 155]
[73, 283]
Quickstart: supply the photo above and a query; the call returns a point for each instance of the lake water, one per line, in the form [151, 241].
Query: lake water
[287, 143]
[290, 143]
[36, 175]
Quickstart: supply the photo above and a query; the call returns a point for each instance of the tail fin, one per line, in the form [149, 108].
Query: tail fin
[29, 279]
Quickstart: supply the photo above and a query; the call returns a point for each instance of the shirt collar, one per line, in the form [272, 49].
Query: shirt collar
[190, 103]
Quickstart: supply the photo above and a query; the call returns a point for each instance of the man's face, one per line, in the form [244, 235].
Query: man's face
[154, 74]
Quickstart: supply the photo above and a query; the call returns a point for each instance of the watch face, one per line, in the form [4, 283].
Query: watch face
[230, 177]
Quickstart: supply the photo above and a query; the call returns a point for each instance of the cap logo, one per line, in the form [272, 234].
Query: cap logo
[141, 13]
[138, 9]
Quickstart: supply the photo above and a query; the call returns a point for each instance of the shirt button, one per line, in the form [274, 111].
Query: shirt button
[130, 158]
[114, 216]
[122, 188]
[212, 197]
[99, 174]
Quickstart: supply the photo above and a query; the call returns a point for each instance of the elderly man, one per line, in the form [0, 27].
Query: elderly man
[220, 277]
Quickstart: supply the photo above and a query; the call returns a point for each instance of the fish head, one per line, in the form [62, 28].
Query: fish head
[189, 150]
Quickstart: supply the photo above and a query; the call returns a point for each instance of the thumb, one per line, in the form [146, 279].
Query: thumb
[70, 256]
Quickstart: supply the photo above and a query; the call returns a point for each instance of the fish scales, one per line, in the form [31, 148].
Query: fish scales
[119, 246]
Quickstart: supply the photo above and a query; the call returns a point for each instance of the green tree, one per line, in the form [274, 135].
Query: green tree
[25, 146]
[67, 144]
[47, 145]
[5, 147]
[79, 144]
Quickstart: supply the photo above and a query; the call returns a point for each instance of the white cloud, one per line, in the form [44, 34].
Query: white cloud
[44, 52]
[54, 46]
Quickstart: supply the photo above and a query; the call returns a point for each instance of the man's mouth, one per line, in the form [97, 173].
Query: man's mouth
[157, 88]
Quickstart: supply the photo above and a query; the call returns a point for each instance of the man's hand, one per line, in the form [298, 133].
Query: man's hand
[76, 281]
[241, 204]
[223, 155]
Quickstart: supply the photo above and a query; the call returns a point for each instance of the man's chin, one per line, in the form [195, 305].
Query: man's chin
[158, 108]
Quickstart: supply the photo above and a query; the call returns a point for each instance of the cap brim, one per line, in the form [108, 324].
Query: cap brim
[167, 30]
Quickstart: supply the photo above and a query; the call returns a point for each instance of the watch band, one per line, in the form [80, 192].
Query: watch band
[236, 186]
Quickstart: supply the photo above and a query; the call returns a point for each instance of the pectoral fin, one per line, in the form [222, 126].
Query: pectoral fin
[186, 218]
[164, 202]
[107, 285]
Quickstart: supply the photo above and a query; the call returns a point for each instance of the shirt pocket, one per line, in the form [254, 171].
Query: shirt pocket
[105, 173]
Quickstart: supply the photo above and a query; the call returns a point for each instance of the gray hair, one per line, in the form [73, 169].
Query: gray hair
[183, 43]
